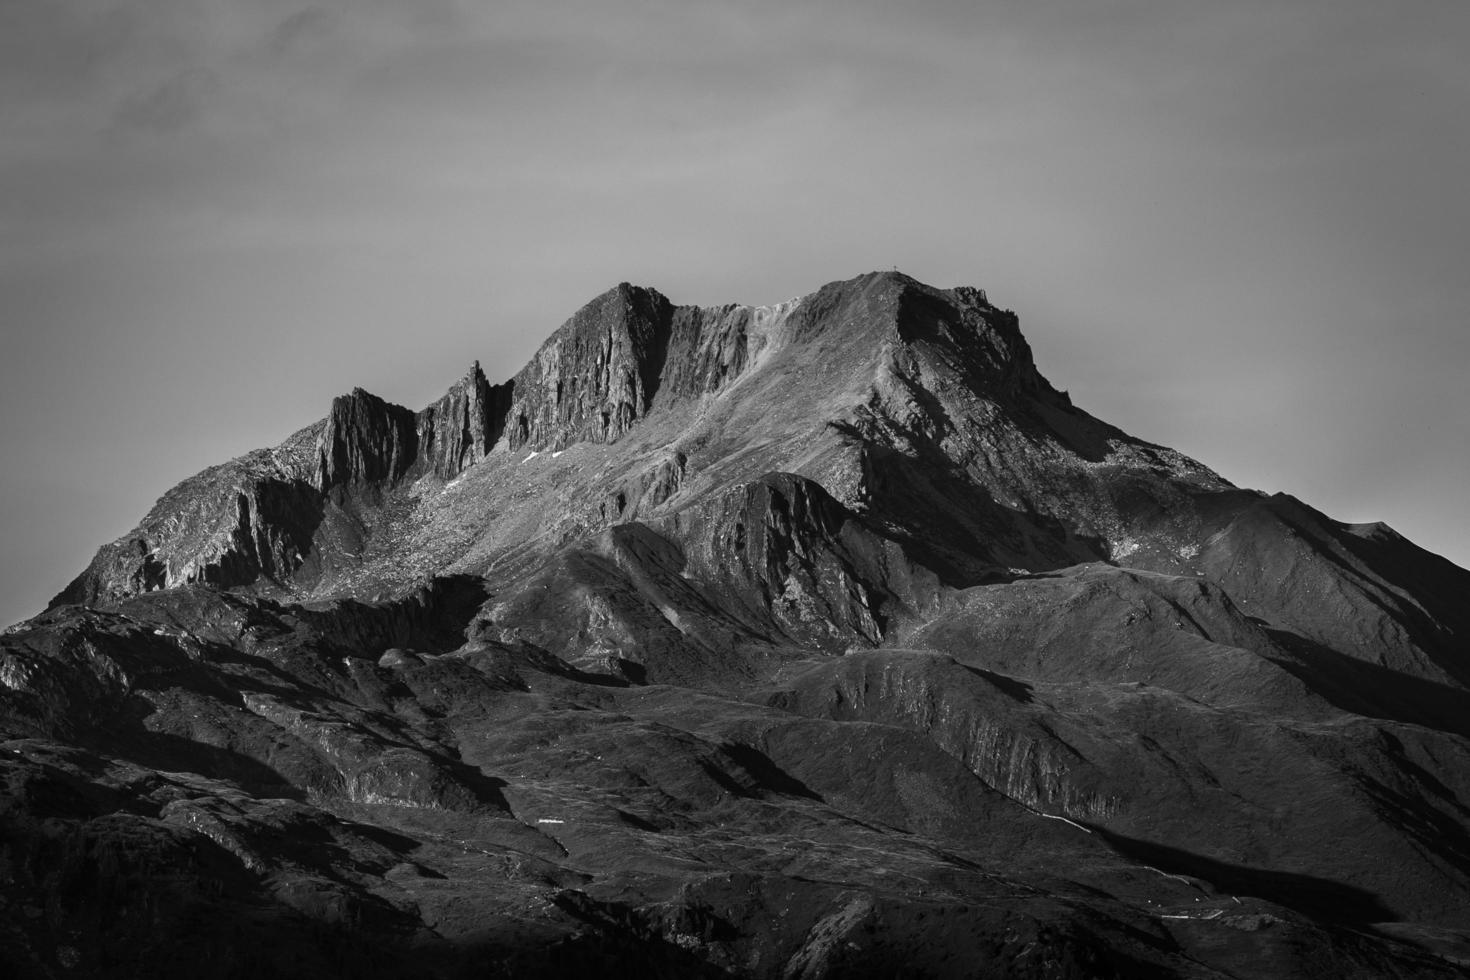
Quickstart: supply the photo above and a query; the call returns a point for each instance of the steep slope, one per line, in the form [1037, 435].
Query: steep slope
[820, 639]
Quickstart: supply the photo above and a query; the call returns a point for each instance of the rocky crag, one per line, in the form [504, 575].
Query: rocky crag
[820, 639]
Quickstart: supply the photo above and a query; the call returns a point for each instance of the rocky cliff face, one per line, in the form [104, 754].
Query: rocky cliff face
[365, 441]
[460, 429]
[813, 640]
[596, 376]
[253, 520]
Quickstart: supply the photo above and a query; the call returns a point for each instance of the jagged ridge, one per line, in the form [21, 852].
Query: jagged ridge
[628, 355]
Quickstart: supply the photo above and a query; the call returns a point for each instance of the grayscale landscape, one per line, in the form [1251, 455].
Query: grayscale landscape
[734, 489]
[821, 639]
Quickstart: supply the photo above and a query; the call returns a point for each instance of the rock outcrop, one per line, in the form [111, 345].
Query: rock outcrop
[781, 546]
[596, 376]
[460, 429]
[365, 441]
[233, 526]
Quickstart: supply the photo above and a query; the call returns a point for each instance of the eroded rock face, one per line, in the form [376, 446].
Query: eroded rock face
[814, 640]
[235, 532]
[596, 376]
[459, 429]
[366, 440]
[787, 548]
[710, 348]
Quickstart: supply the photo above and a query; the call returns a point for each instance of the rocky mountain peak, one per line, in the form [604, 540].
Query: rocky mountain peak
[982, 342]
[858, 386]
[365, 440]
[460, 428]
[596, 375]
[819, 639]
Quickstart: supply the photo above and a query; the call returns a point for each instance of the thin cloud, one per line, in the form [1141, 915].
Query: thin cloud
[172, 106]
[301, 31]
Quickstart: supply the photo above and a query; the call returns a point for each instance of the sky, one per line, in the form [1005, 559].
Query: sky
[1238, 229]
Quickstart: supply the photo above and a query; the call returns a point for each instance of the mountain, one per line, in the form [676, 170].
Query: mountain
[824, 639]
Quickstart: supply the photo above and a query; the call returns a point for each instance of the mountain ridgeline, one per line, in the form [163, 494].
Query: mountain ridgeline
[628, 356]
[822, 639]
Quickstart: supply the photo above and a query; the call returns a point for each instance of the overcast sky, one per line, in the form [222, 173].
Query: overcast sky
[1241, 229]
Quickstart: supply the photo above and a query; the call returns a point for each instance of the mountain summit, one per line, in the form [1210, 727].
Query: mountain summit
[819, 639]
[854, 386]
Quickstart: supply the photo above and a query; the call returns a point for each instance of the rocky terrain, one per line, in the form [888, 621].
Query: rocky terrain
[826, 639]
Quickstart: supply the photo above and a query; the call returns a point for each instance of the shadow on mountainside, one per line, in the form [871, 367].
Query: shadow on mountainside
[1371, 690]
[1320, 898]
[947, 522]
[173, 753]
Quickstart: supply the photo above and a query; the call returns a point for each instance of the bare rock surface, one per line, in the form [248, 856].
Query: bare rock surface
[822, 639]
